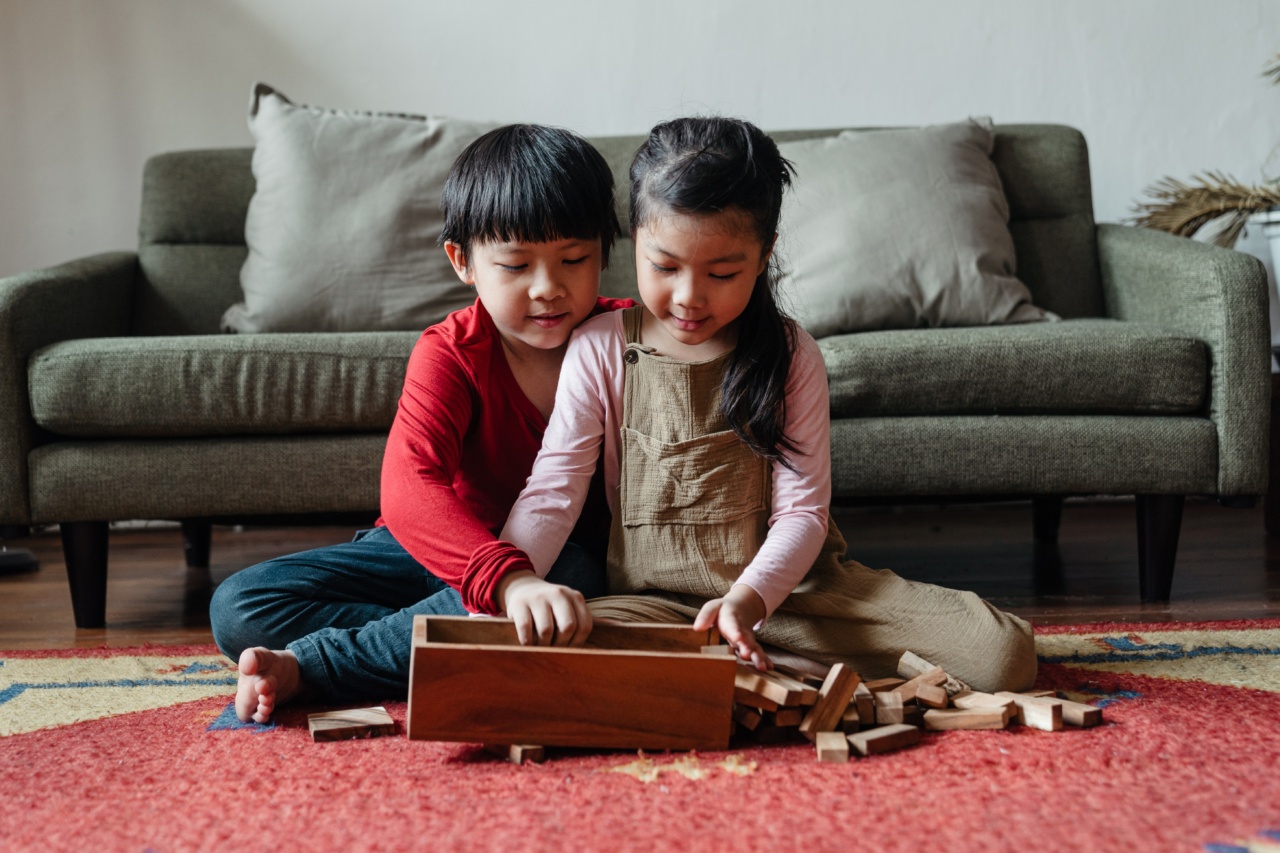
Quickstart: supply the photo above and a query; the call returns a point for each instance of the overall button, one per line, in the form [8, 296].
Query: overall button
[631, 356]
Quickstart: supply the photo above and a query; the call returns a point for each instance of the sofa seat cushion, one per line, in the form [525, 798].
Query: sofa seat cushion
[208, 385]
[1088, 366]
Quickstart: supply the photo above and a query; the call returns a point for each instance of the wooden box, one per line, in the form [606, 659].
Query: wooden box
[632, 686]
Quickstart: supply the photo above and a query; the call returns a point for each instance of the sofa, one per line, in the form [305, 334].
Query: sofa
[120, 398]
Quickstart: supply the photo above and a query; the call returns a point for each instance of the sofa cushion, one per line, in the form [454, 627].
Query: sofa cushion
[342, 226]
[1075, 366]
[205, 385]
[900, 229]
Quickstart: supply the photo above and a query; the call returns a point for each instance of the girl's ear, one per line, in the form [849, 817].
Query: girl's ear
[768, 253]
[458, 259]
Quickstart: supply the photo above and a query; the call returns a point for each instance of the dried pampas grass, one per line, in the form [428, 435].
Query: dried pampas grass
[1184, 208]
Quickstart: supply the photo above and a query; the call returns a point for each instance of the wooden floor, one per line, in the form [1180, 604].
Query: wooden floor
[1228, 568]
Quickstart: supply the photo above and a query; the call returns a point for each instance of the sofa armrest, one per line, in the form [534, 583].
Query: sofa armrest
[90, 297]
[1220, 297]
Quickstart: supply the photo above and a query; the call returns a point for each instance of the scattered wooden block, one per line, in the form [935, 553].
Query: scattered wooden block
[632, 686]
[800, 675]
[907, 690]
[747, 717]
[866, 702]
[786, 716]
[1041, 694]
[833, 747]
[1080, 714]
[888, 708]
[352, 723]
[850, 720]
[884, 739]
[518, 753]
[833, 698]
[770, 689]
[911, 664]
[1036, 713]
[805, 694]
[880, 685]
[913, 715]
[953, 719]
[932, 696]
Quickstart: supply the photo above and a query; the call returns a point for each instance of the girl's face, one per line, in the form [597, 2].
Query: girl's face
[696, 273]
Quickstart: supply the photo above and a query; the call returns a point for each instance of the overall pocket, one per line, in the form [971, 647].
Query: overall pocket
[711, 479]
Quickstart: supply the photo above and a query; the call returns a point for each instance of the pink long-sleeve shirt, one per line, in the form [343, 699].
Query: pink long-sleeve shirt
[587, 421]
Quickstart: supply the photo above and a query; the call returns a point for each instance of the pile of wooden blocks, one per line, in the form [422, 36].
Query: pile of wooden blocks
[842, 711]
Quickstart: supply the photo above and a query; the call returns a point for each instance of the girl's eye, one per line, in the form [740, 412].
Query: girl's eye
[513, 267]
[726, 277]
[572, 261]
[663, 270]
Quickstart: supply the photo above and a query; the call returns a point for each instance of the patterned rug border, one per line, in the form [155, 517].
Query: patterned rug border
[149, 650]
[1139, 627]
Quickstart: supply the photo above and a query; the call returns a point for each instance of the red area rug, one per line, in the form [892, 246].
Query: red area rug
[1187, 760]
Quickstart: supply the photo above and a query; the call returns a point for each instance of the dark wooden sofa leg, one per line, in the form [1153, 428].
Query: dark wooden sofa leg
[196, 537]
[1046, 516]
[1159, 522]
[84, 547]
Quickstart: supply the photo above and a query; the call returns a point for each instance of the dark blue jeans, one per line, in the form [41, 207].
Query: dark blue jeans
[346, 611]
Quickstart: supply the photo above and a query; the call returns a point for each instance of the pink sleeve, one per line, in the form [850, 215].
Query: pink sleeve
[801, 498]
[583, 421]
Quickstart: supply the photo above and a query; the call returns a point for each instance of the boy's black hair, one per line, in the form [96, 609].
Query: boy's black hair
[529, 183]
[711, 165]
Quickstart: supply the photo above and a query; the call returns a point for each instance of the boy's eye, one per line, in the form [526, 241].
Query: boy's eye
[513, 267]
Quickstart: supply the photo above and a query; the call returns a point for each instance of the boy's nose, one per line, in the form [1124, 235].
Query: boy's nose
[546, 284]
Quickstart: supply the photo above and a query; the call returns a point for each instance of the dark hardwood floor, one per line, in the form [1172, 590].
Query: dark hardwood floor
[1228, 568]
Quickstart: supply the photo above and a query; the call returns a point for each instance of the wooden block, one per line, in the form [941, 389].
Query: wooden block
[911, 664]
[805, 694]
[833, 698]
[1041, 694]
[353, 723]
[1080, 714]
[800, 675]
[952, 719]
[633, 686]
[888, 708]
[1036, 713]
[913, 715]
[787, 716]
[518, 753]
[833, 747]
[749, 689]
[879, 685]
[747, 717]
[907, 690]
[932, 695]
[850, 720]
[866, 702]
[884, 739]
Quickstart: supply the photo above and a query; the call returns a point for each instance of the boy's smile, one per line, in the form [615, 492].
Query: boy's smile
[536, 293]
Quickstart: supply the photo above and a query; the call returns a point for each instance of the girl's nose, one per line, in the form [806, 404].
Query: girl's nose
[686, 292]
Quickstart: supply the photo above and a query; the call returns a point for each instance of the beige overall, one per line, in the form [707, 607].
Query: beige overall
[693, 509]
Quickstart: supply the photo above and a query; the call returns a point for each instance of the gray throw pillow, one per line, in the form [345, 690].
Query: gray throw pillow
[897, 229]
[343, 223]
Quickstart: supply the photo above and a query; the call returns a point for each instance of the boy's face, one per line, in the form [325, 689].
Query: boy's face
[536, 293]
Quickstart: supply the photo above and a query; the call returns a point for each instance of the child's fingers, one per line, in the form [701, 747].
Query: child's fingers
[568, 617]
[707, 615]
[584, 621]
[523, 620]
[544, 622]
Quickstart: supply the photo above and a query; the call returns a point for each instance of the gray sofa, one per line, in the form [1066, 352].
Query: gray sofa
[119, 399]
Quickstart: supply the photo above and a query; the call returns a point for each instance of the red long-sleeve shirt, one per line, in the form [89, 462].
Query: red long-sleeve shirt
[460, 449]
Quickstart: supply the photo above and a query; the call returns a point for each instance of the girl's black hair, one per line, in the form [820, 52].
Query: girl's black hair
[709, 165]
[529, 183]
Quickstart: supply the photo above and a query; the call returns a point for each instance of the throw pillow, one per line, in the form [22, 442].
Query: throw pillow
[343, 223]
[896, 229]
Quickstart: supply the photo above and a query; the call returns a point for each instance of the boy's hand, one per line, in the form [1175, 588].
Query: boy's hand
[545, 614]
[736, 616]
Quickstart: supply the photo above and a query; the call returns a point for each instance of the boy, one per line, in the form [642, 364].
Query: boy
[529, 222]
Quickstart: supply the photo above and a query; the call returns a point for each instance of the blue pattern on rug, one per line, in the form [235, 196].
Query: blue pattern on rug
[18, 688]
[228, 721]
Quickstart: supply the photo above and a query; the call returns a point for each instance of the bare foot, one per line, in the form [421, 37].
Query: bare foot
[267, 680]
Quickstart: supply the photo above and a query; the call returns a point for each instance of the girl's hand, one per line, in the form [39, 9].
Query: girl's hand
[736, 616]
[545, 614]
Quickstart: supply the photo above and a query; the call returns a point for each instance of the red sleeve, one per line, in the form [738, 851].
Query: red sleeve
[420, 502]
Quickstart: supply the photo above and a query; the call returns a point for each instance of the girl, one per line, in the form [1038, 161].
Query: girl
[712, 411]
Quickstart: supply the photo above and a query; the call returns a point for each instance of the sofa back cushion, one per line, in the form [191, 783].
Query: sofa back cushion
[191, 237]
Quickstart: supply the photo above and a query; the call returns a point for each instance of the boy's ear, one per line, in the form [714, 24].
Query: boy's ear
[458, 259]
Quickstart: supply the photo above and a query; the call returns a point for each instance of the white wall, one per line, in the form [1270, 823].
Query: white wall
[90, 88]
